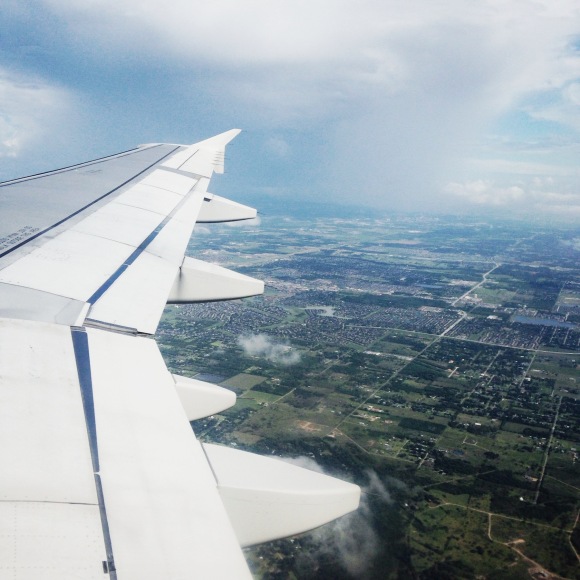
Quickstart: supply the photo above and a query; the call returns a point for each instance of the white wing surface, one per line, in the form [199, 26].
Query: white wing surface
[102, 473]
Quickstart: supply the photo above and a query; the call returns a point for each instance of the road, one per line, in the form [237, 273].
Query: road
[547, 452]
[483, 281]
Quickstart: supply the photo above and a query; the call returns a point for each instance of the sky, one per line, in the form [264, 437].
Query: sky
[400, 105]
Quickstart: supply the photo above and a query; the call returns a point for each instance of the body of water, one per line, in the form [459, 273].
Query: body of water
[543, 322]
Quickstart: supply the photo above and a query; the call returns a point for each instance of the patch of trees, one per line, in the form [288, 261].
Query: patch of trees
[407, 341]
[450, 465]
[460, 489]
[270, 388]
[424, 370]
[506, 477]
[304, 399]
[419, 425]
[533, 432]
[393, 300]
[491, 455]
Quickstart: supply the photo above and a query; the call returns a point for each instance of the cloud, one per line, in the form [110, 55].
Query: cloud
[262, 345]
[374, 102]
[486, 193]
[377, 487]
[304, 462]
[296, 56]
[31, 111]
[201, 230]
[352, 539]
[537, 195]
[514, 168]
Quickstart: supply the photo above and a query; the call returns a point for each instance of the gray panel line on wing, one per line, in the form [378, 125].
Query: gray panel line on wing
[81, 350]
[196, 151]
[83, 361]
[111, 569]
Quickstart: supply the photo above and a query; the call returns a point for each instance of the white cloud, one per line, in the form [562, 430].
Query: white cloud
[352, 539]
[377, 487]
[520, 168]
[387, 98]
[484, 192]
[326, 53]
[31, 111]
[264, 346]
[572, 93]
[201, 230]
[535, 196]
[304, 462]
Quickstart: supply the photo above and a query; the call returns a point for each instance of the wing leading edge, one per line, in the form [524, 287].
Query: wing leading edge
[105, 474]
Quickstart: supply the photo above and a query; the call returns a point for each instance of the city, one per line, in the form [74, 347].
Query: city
[434, 360]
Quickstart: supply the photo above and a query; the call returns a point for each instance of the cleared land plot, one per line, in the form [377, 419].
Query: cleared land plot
[243, 381]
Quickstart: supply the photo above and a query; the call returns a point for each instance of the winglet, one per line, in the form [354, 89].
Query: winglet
[205, 157]
[218, 141]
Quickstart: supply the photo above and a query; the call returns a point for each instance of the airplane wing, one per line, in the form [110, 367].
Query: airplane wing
[101, 471]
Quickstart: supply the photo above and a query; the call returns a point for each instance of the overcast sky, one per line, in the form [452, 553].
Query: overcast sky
[398, 104]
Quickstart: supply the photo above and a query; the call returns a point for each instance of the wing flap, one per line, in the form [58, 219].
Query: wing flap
[137, 298]
[150, 198]
[175, 182]
[73, 264]
[20, 303]
[66, 541]
[119, 222]
[49, 514]
[159, 491]
[171, 241]
[41, 411]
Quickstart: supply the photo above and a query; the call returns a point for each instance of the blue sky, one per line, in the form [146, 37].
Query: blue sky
[396, 104]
